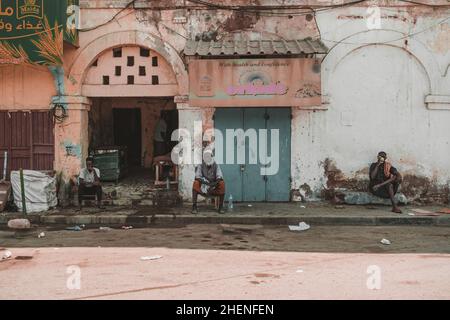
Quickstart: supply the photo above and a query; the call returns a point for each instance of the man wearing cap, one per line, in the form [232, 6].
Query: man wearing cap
[208, 181]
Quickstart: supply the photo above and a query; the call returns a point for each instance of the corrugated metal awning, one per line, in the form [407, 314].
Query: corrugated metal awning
[254, 47]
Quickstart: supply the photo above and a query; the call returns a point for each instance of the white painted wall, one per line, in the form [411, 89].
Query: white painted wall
[377, 98]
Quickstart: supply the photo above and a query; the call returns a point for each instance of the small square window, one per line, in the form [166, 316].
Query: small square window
[154, 61]
[117, 52]
[130, 80]
[145, 52]
[105, 80]
[118, 70]
[142, 71]
[130, 61]
[155, 80]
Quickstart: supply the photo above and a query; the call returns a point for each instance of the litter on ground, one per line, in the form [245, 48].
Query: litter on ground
[76, 228]
[302, 226]
[385, 241]
[5, 255]
[150, 258]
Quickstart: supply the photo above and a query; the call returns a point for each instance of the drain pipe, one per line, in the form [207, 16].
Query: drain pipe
[58, 75]
[5, 164]
[59, 108]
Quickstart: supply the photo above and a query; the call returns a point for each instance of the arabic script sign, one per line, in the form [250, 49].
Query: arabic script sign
[255, 82]
[32, 31]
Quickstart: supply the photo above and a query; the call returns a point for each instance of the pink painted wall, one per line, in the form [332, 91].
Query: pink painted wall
[25, 88]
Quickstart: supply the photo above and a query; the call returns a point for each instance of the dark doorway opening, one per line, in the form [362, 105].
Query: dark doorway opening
[127, 132]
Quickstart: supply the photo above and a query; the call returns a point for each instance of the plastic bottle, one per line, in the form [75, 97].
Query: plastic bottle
[230, 203]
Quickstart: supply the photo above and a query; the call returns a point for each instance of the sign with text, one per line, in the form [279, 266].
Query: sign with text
[255, 82]
[33, 31]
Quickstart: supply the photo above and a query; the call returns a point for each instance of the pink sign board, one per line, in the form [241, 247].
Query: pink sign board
[255, 83]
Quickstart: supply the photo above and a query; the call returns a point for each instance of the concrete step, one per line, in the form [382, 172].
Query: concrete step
[115, 219]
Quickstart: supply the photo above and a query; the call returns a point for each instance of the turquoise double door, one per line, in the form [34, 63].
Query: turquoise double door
[268, 140]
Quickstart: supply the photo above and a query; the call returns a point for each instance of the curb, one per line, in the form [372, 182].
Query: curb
[249, 220]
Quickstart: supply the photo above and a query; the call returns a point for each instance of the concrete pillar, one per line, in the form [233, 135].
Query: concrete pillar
[190, 119]
[307, 152]
[71, 138]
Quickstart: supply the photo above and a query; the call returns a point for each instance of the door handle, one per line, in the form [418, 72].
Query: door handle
[242, 167]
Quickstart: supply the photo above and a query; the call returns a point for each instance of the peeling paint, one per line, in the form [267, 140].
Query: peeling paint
[71, 149]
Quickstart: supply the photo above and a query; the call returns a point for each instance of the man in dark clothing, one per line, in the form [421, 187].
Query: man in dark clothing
[385, 180]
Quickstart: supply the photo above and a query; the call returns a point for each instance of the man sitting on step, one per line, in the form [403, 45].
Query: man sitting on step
[89, 183]
[208, 181]
[385, 180]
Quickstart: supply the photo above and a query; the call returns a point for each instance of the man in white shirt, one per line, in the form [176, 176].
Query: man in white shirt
[89, 183]
[160, 136]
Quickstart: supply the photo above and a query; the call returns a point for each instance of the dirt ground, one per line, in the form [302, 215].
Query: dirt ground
[339, 239]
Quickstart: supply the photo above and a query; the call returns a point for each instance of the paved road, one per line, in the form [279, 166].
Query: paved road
[339, 239]
[119, 273]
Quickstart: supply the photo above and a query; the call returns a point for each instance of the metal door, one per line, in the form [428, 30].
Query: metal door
[230, 118]
[254, 189]
[278, 185]
[251, 182]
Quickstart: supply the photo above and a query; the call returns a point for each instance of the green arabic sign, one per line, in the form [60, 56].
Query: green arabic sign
[33, 31]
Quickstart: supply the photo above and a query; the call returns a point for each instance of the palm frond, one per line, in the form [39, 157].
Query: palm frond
[9, 52]
[50, 44]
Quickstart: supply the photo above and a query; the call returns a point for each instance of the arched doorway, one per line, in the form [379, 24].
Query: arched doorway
[132, 89]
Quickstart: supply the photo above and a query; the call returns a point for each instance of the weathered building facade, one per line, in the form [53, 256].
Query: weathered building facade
[383, 84]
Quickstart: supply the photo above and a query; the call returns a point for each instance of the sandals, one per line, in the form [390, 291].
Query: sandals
[397, 210]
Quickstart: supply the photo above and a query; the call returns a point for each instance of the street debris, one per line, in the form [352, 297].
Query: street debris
[150, 258]
[41, 235]
[303, 207]
[39, 190]
[5, 255]
[411, 214]
[250, 206]
[127, 227]
[339, 207]
[105, 229]
[302, 226]
[19, 224]
[385, 242]
[76, 228]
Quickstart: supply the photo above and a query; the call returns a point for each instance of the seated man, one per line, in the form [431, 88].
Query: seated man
[89, 183]
[385, 180]
[208, 181]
